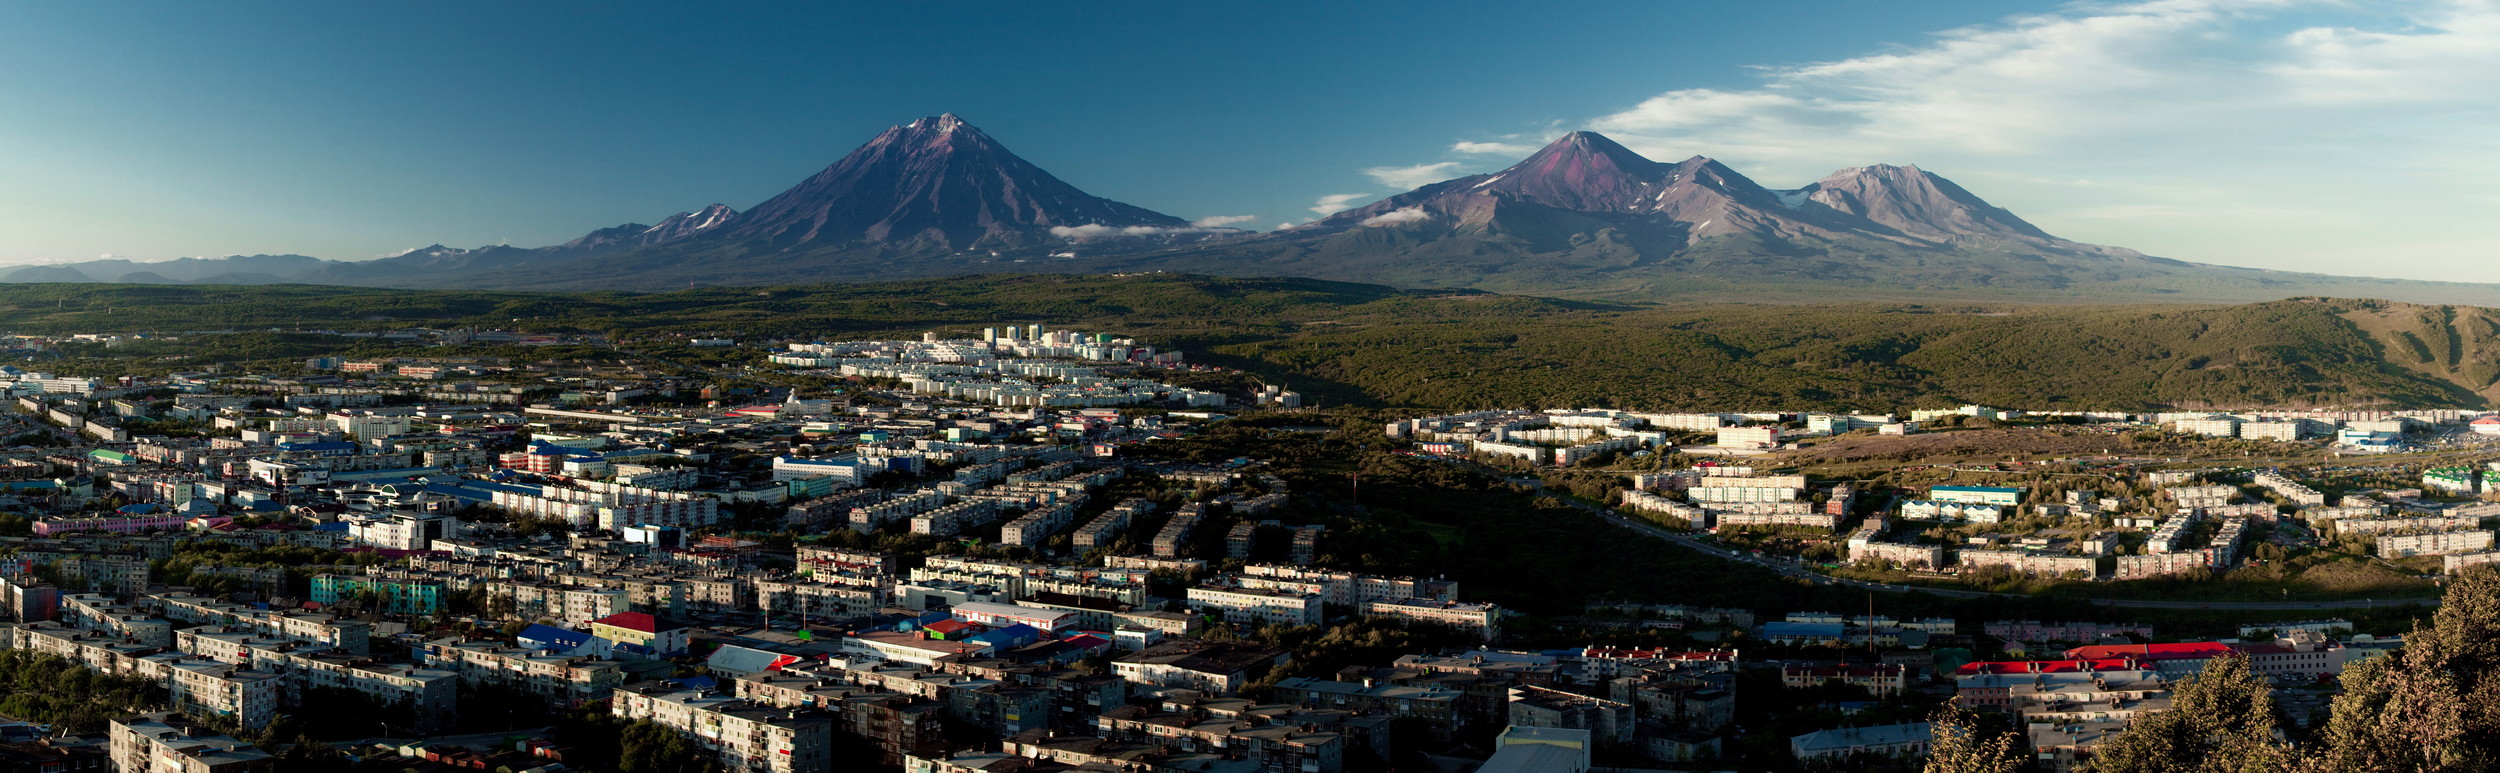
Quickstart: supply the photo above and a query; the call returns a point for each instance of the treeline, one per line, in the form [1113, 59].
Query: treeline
[1345, 343]
[47, 689]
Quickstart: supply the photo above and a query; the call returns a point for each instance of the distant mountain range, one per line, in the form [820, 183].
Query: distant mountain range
[1584, 216]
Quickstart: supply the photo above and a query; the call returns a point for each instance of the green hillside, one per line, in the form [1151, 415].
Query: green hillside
[1352, 343]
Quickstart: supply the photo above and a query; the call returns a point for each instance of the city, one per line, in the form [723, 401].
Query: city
[1477, 386]
[948, 553]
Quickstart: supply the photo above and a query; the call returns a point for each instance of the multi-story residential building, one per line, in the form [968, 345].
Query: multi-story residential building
[1345, 588]
[2031, 563]
[1034, 527]
[1906, 555]
[796, 599]
[408, 597]
[2209, 426]
[1957, 512]
[1435, 705]
[1773, 515]
[430, 695]
[2036, 631]
[2162, 563]
[2287, 488]
[210, 688]
[572, 605]
[1610, 723]
[1881, 680]
[119, 523]
[165, 743]
[1107, 527]
[558, 680]
[1749, 437]
[1175, 534]
[2435, 543]
[1484, 620]
[901, 725]
[1198, 665]
[1259, 606]
[2456, 562]
[746, 735]
[1273, 748]
[96, 612]
[2406, 523]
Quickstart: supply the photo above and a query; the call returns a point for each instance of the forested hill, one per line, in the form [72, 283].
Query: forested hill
[1353, 343]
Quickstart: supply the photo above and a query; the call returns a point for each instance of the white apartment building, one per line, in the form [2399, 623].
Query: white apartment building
[1481, 619]
[1251, 605]
[2210, 426]
[366, 426]
[163, 743]
[2436, 543]
[1749, 437]
[747, 736]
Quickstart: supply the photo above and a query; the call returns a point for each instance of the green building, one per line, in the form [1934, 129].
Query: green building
[397, 596]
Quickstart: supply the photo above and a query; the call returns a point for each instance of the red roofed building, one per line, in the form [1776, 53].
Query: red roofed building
[2488, 425]
[951, 629]
[638, 633]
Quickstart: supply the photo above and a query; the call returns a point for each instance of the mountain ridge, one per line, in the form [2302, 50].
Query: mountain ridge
[1583, 216]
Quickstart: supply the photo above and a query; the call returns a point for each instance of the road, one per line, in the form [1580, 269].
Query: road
[1799, 572]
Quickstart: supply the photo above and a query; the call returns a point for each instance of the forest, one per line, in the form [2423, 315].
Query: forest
[1368, 345]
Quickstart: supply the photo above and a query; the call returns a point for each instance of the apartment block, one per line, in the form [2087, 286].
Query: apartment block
[1259, 606]
[2436, 543]
[746, 735]
[1484, 620]
[166, 743]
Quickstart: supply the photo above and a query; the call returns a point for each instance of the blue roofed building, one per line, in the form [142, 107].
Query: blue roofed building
[1801, 634]
[547, 637]
[1016, 635]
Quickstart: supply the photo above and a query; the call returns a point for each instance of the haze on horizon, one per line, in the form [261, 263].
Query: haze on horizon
[2309, 136]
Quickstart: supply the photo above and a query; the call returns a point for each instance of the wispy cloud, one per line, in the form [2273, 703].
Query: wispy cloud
[1335, 202]
[1398, 216]
[1219, 221]
[1099, 231]
[2193, 118]
[1406, 177]
[1493, 148]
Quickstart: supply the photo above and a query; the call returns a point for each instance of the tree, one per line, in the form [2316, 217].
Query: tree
[2219, 721]
[1962, 745]
[2433, 704]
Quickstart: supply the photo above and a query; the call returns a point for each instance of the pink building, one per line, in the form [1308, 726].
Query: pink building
[117, 524]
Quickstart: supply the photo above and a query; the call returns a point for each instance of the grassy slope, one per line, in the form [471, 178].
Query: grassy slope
[1364, 343]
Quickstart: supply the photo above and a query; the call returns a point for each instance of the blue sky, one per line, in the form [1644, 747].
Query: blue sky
[2327, 136]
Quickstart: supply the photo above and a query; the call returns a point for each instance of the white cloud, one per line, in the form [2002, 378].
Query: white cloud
[107, 256]
[1219, 221]
[1098, 230]
[1287, 224]
[1335, 202]
[1399, 216]
[1493, 148]
[1407, 177]
[2197, 121]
